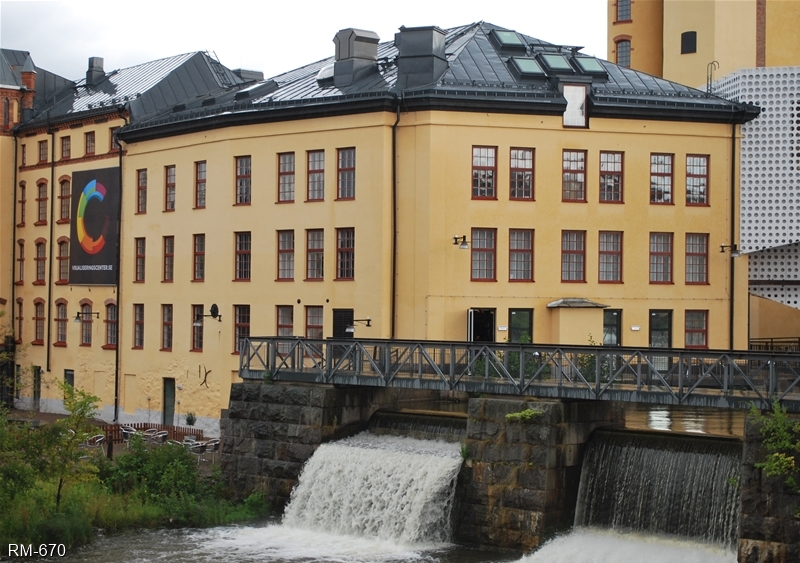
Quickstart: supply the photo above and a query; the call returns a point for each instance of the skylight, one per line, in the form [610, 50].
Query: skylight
[508, 38]
[527, 68]
[556, 61]
[590, 65]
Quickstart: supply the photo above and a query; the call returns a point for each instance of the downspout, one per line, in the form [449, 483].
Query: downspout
[119, 296]
[394, 219]
[734, 203]
[14, 249]
[50, 242]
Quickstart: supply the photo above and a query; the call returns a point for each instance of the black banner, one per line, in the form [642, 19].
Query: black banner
[93, 229]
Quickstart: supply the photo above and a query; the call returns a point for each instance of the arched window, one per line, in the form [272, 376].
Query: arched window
[61, 323]
[624, 53]
[38, 318]
[65, 200]
[111, 326]
[63, 261]
[41, 257]
[41, 205]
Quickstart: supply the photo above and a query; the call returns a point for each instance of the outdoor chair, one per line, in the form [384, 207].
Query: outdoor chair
[95, 441]
[159, 437]
[212, 447]
[198, 449]
[127, 433]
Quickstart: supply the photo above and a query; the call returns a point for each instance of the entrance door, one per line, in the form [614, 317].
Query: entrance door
[520, 326]
[612, 327]
[480, 325]
[168, 414]
[342, 318]
[661, 336]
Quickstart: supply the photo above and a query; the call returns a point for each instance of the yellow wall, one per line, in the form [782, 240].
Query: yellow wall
[783, 21]
[6, 227]
[770, 319]
[645, 31]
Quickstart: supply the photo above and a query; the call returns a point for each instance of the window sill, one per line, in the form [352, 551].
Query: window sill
[168, 210]
[573, 201]
[698, 204]
[485, 198]
[481, 280]
[242, 204]
[613, 282]
[661, 203]
[62, 222]
[661, 282]
[137, 347]
[314, 279]
[19, 282]
[284, 279]
[612, 202]
[86, 345]
[37, 343]
[199, 207]
[141, 213]
[521, 281]
[573, 281]
[198, 280]
[195, 349]
[345, 199]
[18, 341]
[138, 281]
[60, 344]
[166, 281]
[109, 347]
[20, 225]
[38, 282]
[40, 223]
[281, 202]
[241, 279]
[343, 279]
[314, 200]
[62, 282]
[521, 199]
[165, 349]
[88, 154]
[698, 283]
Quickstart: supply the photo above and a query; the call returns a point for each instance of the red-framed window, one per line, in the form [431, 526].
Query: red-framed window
[38, 322]
[573, 175]
[111, 321]
[611, 177]
[610, 257]
[22, 204]
[140, 248]
[112, 139]
[696, 329]
[573, 256]
[169, 188]
[166, 328]
[63, 261]
[660, 257]
[61, 323]
[243, 256]
[20, 262]
[20, 320]
[90, 145]
[41, 204]
[41, 263]
[483, 260]
[200, 184]
[346, 173]
[520, 255]
[42, 151]
[241, 325]
[696, 258]
[314, 322]
[243, 180]
[661, 178]
[521, 174]
[315, 254]
[316, 176]
[484, 172]
[286, 255]
[345, 254]
[622, 49]
[285, 320]
[65, 202]
[141, 191]
[66, 147]
[169, 259]
[286, 177]
[199, 257]
[623, 10]
[87, 321]
[697, 179]
[197, 328]
[138, 325]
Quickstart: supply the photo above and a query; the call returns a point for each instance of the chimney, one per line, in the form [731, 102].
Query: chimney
[28, 75]
[95, 73]
[421, 57]
[356, 55]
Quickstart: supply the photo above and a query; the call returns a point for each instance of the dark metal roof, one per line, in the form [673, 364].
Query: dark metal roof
[477, 78]
[47, 83]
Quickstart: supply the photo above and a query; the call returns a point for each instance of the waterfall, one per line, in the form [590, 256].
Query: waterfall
[660, 484]
[385, 487]
[421, 425]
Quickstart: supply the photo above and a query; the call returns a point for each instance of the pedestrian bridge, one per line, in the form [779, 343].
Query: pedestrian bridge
[707, 378]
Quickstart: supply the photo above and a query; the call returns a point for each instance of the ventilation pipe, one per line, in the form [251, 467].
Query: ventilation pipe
[356, 55]
[421, 56]
[95, 73]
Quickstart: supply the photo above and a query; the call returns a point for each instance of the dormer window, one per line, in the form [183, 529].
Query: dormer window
[556, 62]
[508, 40]
[526, 68]
[575, 114]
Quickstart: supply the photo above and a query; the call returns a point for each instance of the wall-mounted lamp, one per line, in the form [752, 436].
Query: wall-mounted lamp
[352, 328]
[213, 313]
[735, 253]
[81, 315]
[461, 242]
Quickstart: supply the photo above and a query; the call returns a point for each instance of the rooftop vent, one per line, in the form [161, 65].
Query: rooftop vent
[356, 55]
[421, 58]
[95, 73]
[249, 75]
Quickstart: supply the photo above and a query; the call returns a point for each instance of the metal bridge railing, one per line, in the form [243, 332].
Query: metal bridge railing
[727, 379]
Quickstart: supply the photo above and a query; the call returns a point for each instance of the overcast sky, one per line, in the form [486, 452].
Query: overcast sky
[265, 35]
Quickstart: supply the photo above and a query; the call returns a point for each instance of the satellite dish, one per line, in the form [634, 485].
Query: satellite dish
[214, 311]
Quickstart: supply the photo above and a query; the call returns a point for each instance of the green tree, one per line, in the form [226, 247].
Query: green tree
[782, 444]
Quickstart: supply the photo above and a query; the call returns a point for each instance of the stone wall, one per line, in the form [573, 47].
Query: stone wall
[769, 531]
[520, 483]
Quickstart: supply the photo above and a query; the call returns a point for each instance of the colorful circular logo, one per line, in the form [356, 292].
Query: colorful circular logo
[93, 190]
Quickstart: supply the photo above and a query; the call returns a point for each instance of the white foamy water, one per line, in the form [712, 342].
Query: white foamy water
[591, 545]
[386, 488]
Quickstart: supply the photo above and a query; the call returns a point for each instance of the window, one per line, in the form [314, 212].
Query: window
[521, 174]
[314, 322]
[41, 257]
[242, 271]
[285, 255]
[19, 320]
[241, 321]
[660, 178]
[484, 254]
[41, 205]
[166, 328]
[520, 326]
[140, 247]
[573, 176]
[696, 179]
[696, 258]
[316, 175]
[484, 172]
[197, 328]
[199, 185]
[575, 114]
[66, 147]
[660, 257]
[610, 259]
[138, 325]
[696, 329]
[315, 254]
[169, 258]
[38, 322]
[346, 173]
[345, 254]
[111, 326]
[61, 324]
[623, 49]
[42, 151]
[22, 202]
[112, 139]
[89, 137]
[65, 201]
[141, 191]
[286, 177]
[24, 156]
[86, 325]
[242, 180]
[520, 255]
[21, 262]
[688, 42]
[285, 316]
[199, 258]
[623, 10]
[63, 262]
[169, 188]
[573, 256]
[611, 177]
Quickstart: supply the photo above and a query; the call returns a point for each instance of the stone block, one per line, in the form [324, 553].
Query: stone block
[248, 466]
[516, 453]
[484, 430]
[242, 446]
[270, 393]
[497, 409]
[311, 416]
[300, 452]
[532, 478]
[236, 392]
[264, 449]
[751, 527]
[251, 392]
[296, 395]
[524, 499]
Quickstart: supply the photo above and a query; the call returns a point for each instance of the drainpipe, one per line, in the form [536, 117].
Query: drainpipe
[50, 242]
[734, 203]
[14, 250]
[394, 218]
[119, 295]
